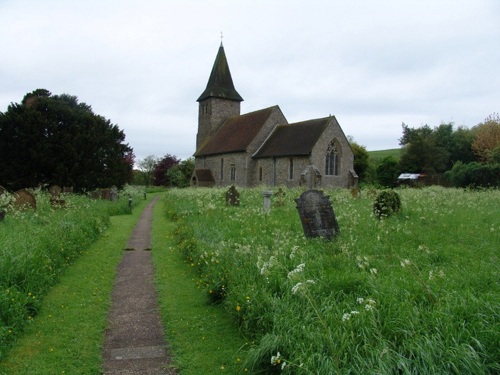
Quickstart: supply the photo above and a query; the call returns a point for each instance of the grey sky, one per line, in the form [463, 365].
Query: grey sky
[372, 64]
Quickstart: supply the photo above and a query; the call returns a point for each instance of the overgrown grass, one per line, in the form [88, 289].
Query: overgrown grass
[202, 337]
[416, 293]
[66, 336]
[37, 246]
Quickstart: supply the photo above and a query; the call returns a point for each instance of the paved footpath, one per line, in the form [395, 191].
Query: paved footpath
[134, 342]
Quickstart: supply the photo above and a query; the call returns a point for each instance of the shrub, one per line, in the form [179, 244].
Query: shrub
[474, 175]
[387, 203]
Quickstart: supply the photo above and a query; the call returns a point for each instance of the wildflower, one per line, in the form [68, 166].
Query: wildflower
[296, 288]
[297, 270]
[238, 308]
[346, 316]
[277, 360]
[405, 262]
[373, 271]
[360, 300]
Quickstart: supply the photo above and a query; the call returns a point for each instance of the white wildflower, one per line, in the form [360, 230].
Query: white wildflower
[360, 300]
[296, 288]
[405, 262]
[373, 271]
[297, 270]
[346, 316]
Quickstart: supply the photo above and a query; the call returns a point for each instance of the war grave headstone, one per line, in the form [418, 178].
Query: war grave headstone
[24, 199]
[232, 196]
[316, 215]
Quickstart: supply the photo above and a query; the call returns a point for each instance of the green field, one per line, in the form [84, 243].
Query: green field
[376, 156]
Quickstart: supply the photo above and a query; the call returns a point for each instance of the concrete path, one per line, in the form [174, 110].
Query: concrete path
[134, 342]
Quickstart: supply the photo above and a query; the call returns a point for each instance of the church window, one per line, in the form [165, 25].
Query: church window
[233, 172]
[291, 169]
[332, 161]
[260, 173]
[221, 169]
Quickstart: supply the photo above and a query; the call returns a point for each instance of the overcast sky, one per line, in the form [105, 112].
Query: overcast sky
[373, 64]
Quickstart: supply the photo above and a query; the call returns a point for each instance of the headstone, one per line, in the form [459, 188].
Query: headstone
[356, 192]
[316, 214]
[280, 197]
[233, 196]
[310, 177]
[113, 193]
[55, 191]
[105, 194]
[68, 190]
[24, 199]
[267, 200]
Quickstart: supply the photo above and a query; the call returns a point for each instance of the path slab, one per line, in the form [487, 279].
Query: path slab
[134, 343]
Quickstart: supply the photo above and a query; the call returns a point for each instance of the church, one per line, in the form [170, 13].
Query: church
[261, 147]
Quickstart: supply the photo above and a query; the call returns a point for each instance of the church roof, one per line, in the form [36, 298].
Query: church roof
[236, 133]
[220, 84]
[295, 139]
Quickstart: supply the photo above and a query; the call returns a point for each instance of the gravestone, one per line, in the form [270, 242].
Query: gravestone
[55, 191]
[2, 215]
[105, 194]
[267, 201]
[280, 197]
[356, 192]
[310, 177]
[232, 196]
[68, 189]
[113, 193]
[316, 215]
[24, 199]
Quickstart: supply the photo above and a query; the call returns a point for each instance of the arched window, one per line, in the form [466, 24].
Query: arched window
[332, 161]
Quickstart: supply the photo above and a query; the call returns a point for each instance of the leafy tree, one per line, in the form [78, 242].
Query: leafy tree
[54, 139]
[422, 151]
[160, 173]
[388, 172]
[180, 174]
[147, 167]
[360, 160]
[487, 138]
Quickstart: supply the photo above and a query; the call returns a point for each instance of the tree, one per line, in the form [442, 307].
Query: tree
[147, 167]
[54, 139]
[180, 174]
[388, 172]
[487, 139]
[422, 152]
[160, 173]
[360, 160]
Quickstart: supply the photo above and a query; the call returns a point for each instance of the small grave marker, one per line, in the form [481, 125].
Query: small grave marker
[267, 201]
[233, 196]
[316, 215]
[55, 191]
[280, 197]
[24, 199]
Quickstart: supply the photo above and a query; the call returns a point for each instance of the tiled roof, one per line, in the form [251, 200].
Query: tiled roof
[236, 133]
[220, 84]
[294, 139]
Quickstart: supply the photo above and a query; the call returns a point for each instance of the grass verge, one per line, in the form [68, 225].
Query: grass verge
[203, 338]
[66, 336]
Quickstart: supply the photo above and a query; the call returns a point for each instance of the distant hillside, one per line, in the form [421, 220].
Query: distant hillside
[377, 156]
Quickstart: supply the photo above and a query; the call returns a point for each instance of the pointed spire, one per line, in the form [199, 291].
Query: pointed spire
[220, 84]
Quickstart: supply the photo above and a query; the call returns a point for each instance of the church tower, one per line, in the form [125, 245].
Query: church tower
[219, 101]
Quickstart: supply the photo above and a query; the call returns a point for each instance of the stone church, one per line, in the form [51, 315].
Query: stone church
[261, 147]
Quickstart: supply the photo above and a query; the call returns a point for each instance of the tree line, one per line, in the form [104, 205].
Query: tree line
[461, 156]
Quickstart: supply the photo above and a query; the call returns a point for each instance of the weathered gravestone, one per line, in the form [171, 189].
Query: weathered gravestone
[68, 189]
[232, 197]
[267, 201]
[316, 214]
[55, 191]
[24, 199]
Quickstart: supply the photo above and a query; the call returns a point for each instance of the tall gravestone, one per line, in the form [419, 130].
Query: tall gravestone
[316, 215]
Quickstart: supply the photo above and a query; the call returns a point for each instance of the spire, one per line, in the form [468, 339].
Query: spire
[220, 84]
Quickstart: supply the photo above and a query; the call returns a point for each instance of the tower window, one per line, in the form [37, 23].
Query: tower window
[233, 172]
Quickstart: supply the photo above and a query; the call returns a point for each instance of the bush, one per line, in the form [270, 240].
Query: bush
[474, 175]
[387, 203]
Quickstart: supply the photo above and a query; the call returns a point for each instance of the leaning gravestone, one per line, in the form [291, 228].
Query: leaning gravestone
[232, 197]
[24, 199]
[316, 214]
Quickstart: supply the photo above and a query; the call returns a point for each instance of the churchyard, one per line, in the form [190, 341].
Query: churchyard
[416, 292]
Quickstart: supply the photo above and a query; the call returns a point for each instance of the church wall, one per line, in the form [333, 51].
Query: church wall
[214, 163]
[318, 156]
[276, 172]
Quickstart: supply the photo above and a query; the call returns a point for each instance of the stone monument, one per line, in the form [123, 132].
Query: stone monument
[316, 215]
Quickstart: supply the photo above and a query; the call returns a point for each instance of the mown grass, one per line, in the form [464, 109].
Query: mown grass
[59, 327]
[203, 339]
[376, 156]
[418, 292]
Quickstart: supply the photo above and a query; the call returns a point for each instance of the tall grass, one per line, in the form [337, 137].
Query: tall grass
[37, 246]
[416, 293]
